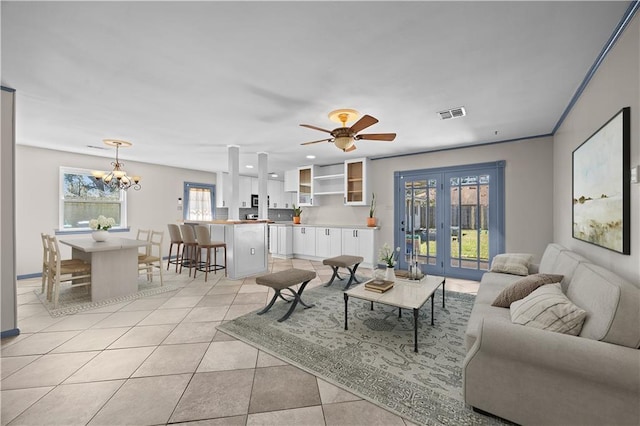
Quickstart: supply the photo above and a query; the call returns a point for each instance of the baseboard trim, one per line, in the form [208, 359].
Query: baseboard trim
[10, 333]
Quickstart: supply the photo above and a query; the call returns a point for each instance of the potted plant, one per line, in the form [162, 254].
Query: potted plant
[296, 214]
[371, 220]
[389, 256]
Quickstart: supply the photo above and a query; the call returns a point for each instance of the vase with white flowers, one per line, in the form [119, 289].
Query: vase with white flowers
[389, 256]
[100, 227]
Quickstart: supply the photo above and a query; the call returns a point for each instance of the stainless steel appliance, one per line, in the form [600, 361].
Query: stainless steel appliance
[251, 216]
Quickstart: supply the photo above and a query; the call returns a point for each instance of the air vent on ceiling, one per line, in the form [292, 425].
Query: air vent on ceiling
[452, 113]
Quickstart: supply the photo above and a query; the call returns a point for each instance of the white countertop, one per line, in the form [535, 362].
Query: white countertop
[315, 225]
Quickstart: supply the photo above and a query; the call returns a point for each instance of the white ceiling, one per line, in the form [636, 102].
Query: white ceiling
[184, 80]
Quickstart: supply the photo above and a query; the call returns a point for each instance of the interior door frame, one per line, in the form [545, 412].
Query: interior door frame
[496, 236]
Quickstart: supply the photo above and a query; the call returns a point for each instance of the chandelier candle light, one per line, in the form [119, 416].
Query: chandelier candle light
[118, 178]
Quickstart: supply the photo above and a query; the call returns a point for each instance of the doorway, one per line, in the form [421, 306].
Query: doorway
[450, 220]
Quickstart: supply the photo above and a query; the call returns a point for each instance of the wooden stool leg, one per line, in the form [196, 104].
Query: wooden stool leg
[169, 259]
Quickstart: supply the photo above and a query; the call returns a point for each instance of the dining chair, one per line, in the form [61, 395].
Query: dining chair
[190, 246]
[45, 263]
[176, 239]
[153, 257]
[204, 243]
[143, 235]
[78, 272]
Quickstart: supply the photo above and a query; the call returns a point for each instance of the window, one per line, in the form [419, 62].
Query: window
[82, 198]
[199, 199]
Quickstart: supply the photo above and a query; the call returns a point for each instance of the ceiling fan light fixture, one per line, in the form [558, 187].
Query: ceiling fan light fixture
[343, 142]
[344, 115]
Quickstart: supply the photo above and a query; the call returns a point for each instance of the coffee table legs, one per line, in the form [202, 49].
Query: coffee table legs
[346, 299]
[415, 329]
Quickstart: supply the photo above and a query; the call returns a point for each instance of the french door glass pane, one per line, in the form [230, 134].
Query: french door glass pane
[470, 222]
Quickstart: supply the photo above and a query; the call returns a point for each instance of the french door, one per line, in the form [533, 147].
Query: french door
[450, 220]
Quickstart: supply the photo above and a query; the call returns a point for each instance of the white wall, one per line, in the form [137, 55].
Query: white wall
[615, 85]
[37, 195]
[528, 191]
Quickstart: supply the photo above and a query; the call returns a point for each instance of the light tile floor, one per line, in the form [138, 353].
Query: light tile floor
[161, 360]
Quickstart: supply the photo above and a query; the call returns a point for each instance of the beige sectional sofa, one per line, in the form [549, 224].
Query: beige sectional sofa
[533, 376]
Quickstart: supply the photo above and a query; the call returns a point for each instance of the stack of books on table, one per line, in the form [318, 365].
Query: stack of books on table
[379, 286]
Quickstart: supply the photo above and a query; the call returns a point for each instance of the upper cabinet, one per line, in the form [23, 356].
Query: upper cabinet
[222, 189]
[305, 185]
[356, 191]
[291, 180]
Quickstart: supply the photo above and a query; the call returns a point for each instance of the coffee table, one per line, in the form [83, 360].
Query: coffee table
[405, 294]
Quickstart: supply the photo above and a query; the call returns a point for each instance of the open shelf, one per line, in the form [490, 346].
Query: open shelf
[330, 177]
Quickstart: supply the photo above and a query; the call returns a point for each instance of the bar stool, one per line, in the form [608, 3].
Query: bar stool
[205, 243]
[190, 245]
[176, 239]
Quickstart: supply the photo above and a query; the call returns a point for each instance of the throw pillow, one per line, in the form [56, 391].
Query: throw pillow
[523, 287]
[548, 308]
[511, 263]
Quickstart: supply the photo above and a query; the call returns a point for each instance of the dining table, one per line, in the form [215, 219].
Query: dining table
[114, 264]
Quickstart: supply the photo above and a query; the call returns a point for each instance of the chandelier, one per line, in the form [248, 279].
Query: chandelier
[117, 178]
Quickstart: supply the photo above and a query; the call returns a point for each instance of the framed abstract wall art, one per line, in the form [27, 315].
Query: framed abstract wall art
[602, 185]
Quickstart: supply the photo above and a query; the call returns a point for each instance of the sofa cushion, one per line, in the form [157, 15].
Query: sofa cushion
[566, 264]
[547, 308]
[492, 284]
[549, 258]
[523, 287]
[612, 304]
[511, 263]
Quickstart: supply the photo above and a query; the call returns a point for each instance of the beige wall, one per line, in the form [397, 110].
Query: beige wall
[37, 194]
[615, 85]
[528, 191]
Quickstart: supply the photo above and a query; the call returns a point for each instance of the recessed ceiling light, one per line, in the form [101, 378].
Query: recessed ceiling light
[274, 175]
[249, 166]
[311, 157]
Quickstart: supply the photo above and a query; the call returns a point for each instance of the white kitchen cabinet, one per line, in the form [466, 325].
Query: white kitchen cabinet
[273, 239]
[305, 186]
[246, 188]
[281, 241]
[276, 194]
[356, 182]
[328, 242]
[360, 242]
[223, 185]
[304, 241]
[291, 180]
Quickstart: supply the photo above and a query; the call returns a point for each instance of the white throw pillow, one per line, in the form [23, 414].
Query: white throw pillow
[548, 308]
[511, 263]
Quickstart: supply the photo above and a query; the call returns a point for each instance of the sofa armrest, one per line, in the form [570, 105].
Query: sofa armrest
[591, 359]
[564, 379]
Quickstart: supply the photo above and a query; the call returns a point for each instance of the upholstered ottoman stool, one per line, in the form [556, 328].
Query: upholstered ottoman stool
[344, 261]
[284, 280]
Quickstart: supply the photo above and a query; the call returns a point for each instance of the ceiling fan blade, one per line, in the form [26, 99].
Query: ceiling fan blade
[316, 128]
[321, 140]
[377, 136]
[363, 123]
[351, 148]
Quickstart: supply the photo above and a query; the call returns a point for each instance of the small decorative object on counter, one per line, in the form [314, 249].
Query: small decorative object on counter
[296, 214]
[100, 227]
[371, 220]
[389, 256]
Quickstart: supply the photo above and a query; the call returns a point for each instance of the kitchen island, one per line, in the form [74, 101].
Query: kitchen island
[246, 245]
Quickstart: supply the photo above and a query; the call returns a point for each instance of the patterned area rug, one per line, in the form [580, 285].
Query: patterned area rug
[374, 359]
[73, 300]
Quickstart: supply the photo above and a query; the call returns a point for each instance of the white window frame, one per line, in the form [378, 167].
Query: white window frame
[74, 170]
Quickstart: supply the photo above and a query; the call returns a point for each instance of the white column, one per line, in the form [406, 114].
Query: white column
[9, 320]
[263, 206]
[234, 181]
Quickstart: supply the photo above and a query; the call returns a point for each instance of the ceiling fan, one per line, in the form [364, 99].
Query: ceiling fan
[344, 137]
